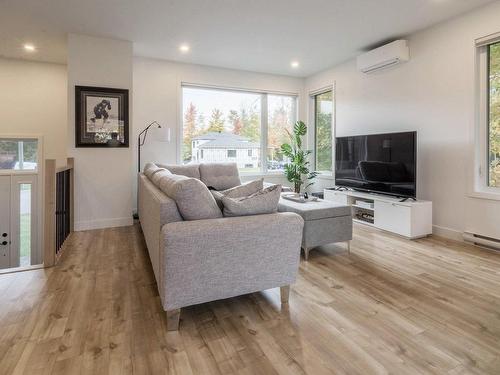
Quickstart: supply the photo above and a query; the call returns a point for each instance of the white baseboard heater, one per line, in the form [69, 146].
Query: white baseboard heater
[484, 241]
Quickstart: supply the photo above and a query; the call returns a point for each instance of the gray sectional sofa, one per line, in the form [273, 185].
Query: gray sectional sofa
[197, 261]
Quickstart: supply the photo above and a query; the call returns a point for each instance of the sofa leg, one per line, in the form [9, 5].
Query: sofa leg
[349, 247]
[173, 317]
[306, 253]
[285, 293]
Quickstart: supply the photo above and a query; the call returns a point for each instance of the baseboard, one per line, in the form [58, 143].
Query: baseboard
[103, 223]
[449, 233]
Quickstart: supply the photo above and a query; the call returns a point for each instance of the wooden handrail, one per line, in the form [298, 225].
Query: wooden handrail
[50, 258]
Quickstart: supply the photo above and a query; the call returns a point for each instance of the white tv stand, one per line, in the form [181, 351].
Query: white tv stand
[411, 219]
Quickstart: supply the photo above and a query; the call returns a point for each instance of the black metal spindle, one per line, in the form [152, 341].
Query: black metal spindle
[62, 219]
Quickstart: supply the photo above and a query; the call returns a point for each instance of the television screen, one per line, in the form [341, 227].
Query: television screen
[381, 163]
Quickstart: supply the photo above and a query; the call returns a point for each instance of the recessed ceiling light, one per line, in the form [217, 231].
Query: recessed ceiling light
[29, 47]
[184, 48]
[294, 64]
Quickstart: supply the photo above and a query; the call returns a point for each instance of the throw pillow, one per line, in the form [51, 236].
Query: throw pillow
[245, 189]
[264, 201]
[158, 175]
[193, 199]
[150, 169]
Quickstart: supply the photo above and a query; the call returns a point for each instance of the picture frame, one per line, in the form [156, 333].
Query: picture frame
[101, 117]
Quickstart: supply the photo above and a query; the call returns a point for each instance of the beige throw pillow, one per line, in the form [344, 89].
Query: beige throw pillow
[264, 201]
[192, 197]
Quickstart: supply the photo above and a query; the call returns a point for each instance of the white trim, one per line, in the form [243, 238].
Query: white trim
[488, 39]
[237, 89]
[264, 130]
[312, 120]
[449, 233]
[321, 90]
[477, 176]
[103, 223]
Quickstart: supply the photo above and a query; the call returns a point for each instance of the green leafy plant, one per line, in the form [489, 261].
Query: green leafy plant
[297, 170]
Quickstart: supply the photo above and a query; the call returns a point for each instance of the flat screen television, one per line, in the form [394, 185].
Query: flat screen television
[378, 163]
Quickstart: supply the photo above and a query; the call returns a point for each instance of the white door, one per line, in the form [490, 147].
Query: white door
[19, 211]
[5, 216]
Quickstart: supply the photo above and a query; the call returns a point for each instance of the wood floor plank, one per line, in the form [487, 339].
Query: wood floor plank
[391, 306]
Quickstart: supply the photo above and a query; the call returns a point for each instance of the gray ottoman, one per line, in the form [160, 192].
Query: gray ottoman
[324, 222]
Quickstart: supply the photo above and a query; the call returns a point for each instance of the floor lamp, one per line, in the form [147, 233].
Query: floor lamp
[140, 142]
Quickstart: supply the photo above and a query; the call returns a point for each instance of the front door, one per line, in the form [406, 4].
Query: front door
[19, 224]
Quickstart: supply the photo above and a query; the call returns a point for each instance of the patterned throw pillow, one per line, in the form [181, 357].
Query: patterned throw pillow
[243, 190]
[264, 201]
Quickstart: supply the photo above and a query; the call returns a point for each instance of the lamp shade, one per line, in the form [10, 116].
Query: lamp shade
[163, 134]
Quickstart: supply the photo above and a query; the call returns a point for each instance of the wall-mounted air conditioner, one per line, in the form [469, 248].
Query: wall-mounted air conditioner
[383, 57]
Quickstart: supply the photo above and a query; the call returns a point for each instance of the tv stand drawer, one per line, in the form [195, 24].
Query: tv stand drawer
[393, 217]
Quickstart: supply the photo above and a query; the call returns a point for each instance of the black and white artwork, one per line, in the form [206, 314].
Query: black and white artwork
[101, 117]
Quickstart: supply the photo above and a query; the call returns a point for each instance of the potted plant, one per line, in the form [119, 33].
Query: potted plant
[297, 169]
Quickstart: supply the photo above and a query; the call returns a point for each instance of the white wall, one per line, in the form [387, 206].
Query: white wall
[433, 94]
[103, 177]
[157, 96]
[33, 101]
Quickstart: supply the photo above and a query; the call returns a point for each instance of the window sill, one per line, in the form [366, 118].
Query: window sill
[486, 194]
[262, 174]
[325, 176]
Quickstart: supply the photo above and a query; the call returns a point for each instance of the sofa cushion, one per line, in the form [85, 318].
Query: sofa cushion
[264, 201]
[158, 175]
[320, 209]
[188, 170]
[220, 176]
[193, 199]
[150, 169]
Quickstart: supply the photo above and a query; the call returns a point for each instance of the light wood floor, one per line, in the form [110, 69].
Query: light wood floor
[391, 306]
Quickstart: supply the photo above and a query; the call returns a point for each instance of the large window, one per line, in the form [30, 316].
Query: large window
[323, 113]
[494, 115]
[236, 126]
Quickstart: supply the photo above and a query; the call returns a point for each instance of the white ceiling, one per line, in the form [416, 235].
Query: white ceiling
[254, 35]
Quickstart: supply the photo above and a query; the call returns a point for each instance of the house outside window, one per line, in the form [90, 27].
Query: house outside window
[488, 127]
[323, 131]
[222, 125]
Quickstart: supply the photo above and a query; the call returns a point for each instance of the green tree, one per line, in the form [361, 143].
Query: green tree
[216, 122]
[324, 147]
[279, 123]
[235, 120]
[251, 124]
[494, 131]
[190, 131]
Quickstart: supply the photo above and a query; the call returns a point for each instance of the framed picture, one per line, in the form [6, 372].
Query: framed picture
[101, 117]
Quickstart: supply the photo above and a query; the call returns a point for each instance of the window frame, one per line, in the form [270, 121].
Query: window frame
[312, 132]
[478, 182]
[264, 121]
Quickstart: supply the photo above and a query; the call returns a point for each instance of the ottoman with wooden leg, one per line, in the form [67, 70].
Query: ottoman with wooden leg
[324, 222]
